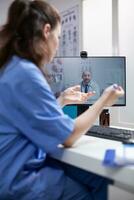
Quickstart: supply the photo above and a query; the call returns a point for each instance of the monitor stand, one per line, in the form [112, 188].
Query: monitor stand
[104, 118]
[81, 109]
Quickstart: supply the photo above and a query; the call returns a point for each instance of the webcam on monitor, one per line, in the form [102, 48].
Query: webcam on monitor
[83, 54]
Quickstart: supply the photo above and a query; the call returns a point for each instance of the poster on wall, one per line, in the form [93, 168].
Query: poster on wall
[69, 43]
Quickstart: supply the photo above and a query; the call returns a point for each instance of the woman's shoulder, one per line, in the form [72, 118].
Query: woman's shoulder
[20, 71]
[24, 65]
[22, 68]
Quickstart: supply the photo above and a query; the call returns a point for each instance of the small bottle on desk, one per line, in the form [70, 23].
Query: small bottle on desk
[104, 119]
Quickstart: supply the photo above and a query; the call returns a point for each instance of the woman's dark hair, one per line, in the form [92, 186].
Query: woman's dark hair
[22, 34]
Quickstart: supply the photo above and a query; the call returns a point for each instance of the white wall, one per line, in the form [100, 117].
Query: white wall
[97, 29]
[4, 4]
[126, 47]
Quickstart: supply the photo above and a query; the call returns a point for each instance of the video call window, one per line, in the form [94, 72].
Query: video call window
[91, 73]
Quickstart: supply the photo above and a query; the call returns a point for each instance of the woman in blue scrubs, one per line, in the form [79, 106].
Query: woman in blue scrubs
[32, 123]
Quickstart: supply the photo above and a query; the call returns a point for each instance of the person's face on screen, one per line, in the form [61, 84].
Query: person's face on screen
[86, 76]
[52, 37]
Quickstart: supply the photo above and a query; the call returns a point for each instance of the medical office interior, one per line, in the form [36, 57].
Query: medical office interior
[102, 28]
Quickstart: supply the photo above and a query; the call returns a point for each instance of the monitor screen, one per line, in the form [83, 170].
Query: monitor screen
[91, 73]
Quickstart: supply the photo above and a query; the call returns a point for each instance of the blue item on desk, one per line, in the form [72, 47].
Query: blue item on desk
[109, 158]
[122, 156]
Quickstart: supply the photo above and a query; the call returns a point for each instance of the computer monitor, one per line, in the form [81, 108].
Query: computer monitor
[65, 72]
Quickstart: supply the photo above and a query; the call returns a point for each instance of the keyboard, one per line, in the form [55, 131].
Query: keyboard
[122, 135]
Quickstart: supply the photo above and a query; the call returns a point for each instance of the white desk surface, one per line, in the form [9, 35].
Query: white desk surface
[88, 154]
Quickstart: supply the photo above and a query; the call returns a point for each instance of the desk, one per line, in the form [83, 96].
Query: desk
[88, 153]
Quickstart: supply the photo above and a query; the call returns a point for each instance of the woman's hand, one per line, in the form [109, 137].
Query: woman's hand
[112, 93]
[72, 95]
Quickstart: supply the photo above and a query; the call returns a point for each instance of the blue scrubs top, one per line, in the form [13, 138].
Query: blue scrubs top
[30, 119]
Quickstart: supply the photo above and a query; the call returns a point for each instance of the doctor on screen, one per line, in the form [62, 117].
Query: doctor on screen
[89, 85]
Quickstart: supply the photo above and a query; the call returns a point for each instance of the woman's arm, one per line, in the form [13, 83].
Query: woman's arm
[85, 120]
